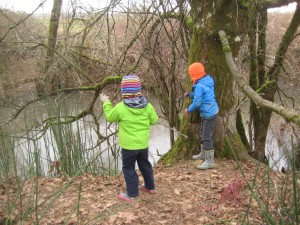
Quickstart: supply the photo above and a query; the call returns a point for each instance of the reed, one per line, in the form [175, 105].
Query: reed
[287, 193]
[28, 151]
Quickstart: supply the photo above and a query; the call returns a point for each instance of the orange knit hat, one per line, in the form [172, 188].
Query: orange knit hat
[196, 71]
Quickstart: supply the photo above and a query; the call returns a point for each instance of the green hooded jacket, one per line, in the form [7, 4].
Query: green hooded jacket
[134, 124]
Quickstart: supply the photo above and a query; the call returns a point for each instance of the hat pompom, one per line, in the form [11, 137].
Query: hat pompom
[131, 86]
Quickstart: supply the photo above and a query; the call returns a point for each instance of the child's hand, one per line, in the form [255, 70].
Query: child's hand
[186, 94]
[103, 97]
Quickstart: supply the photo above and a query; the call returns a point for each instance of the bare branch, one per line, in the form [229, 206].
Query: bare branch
[96, 88]
[21, 21]
[290, 114]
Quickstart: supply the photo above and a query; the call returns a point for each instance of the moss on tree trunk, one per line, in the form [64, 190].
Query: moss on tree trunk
[208, 18]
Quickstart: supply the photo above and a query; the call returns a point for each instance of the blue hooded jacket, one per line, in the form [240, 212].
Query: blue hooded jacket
[203, 96]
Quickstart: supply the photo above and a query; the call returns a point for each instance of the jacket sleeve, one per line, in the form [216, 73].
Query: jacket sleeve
[152, 114]
[110, 111]
[197, 98]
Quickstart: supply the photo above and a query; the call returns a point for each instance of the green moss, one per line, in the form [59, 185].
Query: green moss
[244, 3]
[294, 119]
[108, 80]
[171, 156]
[241, 129]
[222, 150]
[231, 143]
[189, 21]
[112, 79]
[226, 49]
[265, 85]
[184, 148]
[228, 150]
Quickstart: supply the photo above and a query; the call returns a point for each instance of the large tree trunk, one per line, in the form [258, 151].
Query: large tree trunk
[208, 18]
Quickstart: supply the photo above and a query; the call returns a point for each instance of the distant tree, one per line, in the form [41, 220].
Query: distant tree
[2, 93]
[9, 22]
[51, 80]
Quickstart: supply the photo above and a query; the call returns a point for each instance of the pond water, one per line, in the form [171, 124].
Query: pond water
[278, 143]
[23, 141]
[81, 135]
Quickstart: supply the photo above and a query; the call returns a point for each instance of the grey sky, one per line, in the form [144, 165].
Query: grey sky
[29, 5]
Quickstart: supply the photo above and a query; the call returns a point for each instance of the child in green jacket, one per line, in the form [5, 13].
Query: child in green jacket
[134, 116]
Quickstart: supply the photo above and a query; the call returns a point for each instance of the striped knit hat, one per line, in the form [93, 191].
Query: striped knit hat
[131, 86]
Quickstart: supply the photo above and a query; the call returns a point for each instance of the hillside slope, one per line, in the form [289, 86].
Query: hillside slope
[184, 195]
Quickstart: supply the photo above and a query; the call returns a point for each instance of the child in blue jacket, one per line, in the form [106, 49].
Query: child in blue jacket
[203, 98]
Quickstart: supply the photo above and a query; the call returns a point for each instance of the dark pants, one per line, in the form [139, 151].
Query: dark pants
[207, 131]
[129, 158]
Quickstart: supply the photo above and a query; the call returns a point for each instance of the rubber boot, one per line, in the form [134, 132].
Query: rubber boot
[201, 155]
[209, 160]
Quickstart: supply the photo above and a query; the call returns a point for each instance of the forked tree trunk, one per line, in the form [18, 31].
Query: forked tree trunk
[208, 18]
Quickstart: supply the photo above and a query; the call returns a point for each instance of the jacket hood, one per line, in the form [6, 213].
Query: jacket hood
[207, 81]
[196, 71]
[136, 102]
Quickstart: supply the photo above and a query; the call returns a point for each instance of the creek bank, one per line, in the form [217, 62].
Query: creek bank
[184, 195]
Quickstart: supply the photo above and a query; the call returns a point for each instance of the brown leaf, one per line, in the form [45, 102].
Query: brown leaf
[130, 217]
[162, 221]
[112, 219]
[152, 212]
[176, 191]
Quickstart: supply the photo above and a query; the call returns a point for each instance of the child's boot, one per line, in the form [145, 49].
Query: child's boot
[209, 160]
[200, 156]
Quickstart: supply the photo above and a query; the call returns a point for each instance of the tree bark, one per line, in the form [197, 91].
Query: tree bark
[51, 81]
[260, 128]
[290, 114]
[2, 93]
[208, 17]
[52, 35]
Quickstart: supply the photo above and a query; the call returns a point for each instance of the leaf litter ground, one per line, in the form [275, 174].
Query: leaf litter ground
[184, 195]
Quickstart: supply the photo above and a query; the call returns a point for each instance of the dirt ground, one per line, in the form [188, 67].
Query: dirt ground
[184, 195]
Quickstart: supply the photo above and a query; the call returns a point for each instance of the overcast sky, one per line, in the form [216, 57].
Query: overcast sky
[30, 5]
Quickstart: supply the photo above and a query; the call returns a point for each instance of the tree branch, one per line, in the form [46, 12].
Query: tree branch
[290, 114]
[20, 21]
[96, 88]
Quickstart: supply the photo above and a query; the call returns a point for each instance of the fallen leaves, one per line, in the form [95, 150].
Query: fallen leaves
[233, 190]
[184, 195]
[128, 217]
